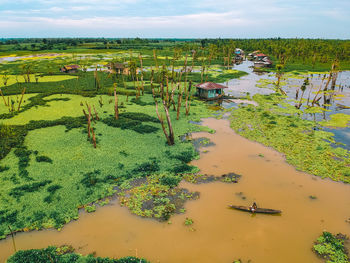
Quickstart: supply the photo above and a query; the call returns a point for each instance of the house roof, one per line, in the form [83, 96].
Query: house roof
[68, 67]
[210, 86]
[261, 55]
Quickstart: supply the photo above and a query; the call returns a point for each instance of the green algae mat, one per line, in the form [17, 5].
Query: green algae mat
[50, 168]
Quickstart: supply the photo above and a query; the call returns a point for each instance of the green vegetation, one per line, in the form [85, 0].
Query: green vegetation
[307, 54]
[204, 178]
[331, 248]
[155, 196]
[278, 124]
[339, 120]
[45, 153]
[64, 254]
[188, 221]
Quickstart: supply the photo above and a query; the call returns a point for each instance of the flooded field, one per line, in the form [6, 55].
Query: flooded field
[220, 234]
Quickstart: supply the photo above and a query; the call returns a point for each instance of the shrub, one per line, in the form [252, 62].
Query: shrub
[27, 188]
[170, 180]
[64, 254]
[43, 159]
[4, 168]
[53, 188]
[90, 179]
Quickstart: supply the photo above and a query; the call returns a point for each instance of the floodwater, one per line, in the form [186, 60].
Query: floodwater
[220, 234]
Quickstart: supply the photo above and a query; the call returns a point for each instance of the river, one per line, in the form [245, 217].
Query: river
[220, 234]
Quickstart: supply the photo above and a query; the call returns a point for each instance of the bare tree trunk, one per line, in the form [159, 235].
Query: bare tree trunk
[179, 103]
[319, 90]
[169, 136]
[100, 102]
[188, 104]
[162, 123]
[89, 125]
[116, 110]
[167, 90]
[171, 131]
[20, 102]
[97, 118]
[142, 85]
[90, 113]
[3, 97]
[93, 137]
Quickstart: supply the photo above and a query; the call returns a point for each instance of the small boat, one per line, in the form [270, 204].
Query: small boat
[257, 210]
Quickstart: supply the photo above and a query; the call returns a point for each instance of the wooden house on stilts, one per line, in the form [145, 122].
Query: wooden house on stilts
[210, 90]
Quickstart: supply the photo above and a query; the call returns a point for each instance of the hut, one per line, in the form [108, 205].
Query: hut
[265, 62]
[70, 69]
[118, 68]
[210, 90]
[260, 56]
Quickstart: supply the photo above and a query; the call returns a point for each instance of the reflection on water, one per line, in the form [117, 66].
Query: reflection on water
[221, 234]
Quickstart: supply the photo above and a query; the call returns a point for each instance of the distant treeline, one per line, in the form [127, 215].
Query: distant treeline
[284, 51]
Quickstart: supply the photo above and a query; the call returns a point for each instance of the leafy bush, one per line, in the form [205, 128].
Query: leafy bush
[91, 179]
[28, 188]
[132, 121]
[146, 168]
[4, 168]
[64, 254]
[43, 159]
[53, 188]
[331, 248]
[170, 180]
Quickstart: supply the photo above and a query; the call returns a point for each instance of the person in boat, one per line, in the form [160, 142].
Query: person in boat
[253, 207]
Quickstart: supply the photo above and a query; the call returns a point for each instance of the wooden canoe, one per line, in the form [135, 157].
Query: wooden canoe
[258, 210]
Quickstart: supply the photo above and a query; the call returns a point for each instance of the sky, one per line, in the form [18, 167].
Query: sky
[175, 19]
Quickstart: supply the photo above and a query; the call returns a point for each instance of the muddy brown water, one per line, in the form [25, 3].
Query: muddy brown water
[220, 234]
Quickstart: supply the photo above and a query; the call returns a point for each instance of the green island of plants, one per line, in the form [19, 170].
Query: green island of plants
[64, 254]
[156, 196]
[332, 248]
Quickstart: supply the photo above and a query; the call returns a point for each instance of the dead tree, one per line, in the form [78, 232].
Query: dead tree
[116, 110]
[89, 124]
[142, 85]
[96, 115]
[169, 135]
[3, 97]
[179, 99]
[188, 103]
[100, 102]
[89, 110]
[20, 102]
[316, 99]
[93, 137]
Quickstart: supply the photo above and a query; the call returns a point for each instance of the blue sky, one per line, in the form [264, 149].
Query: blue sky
[177, 19]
